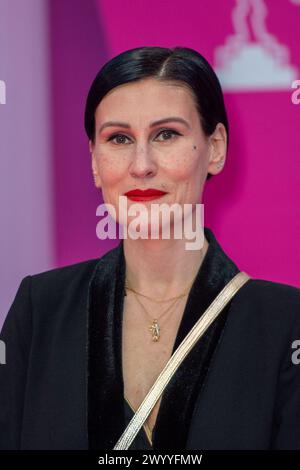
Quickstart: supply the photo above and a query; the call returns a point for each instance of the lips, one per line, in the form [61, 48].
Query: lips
[144, 195]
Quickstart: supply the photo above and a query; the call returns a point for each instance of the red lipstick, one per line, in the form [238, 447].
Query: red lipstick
[144, 195]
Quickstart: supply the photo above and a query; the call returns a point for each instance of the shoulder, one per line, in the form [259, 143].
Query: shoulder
[73, 273]
[265, 293]
[67, 282]
[271, 308]
[48, 289]
[57, 282]
[68, 274]
[63, 285]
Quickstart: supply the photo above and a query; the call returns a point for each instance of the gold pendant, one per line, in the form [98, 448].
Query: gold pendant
[155, 330]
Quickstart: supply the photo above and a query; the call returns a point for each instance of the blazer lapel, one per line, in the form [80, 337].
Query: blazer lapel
[106, 420]
[105, 388]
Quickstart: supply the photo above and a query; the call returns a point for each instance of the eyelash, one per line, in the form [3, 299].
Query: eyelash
[163, 130]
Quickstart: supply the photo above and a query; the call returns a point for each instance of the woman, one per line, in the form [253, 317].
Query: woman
[86, 342]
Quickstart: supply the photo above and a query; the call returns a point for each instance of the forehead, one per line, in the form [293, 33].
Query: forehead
[148, 98]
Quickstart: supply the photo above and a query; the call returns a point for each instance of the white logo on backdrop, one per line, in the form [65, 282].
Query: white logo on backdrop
[242, 64]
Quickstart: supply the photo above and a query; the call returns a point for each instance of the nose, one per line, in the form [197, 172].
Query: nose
[142, 164]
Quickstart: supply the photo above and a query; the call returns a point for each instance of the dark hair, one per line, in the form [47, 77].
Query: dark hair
[163, 64]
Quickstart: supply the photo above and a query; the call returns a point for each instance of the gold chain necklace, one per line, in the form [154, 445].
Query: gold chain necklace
[155, 327]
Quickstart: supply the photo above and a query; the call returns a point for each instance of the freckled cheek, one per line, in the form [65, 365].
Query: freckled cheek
[111, 170]
[182, 167]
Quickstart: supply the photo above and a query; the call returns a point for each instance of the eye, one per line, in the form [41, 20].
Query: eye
[114, 136]
[168, 132]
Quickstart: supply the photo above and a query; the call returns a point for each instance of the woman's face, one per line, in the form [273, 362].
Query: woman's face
[172, 156]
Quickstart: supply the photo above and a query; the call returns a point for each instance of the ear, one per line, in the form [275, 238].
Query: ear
[218, 148]
[95, 172]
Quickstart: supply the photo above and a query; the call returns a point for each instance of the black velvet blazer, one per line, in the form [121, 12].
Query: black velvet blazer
[62, 384]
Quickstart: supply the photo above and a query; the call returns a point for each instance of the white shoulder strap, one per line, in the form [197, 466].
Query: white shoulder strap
[178, 356]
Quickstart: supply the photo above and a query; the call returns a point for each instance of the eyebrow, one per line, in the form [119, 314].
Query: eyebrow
[152, 124]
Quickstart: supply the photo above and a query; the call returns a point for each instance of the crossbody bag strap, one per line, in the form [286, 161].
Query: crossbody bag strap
[178, 356]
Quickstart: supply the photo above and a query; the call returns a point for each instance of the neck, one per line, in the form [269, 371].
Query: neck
[161, 268]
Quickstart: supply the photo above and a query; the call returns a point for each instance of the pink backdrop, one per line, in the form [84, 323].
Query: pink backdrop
[253, 205]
